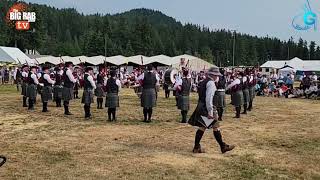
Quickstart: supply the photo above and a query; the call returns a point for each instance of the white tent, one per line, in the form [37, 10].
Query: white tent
[286, 70]
[75, 60]
[14, 55]
[95, 60]
[162, 59]
[139, 60]
[117, 60]
[192, 62]
[49, 59]
[295, 63]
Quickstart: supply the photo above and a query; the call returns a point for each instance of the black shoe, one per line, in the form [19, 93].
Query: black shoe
[227, 148]
[244, 113]
[68, 113]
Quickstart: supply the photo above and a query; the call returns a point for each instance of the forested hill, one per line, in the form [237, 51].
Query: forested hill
[143, 31]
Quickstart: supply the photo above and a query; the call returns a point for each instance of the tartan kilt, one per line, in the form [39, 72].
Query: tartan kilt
[46, 94]
[57, 92]
[252, 92]
[99, 92]
[87, 97]
[237, 98]
[246, 96]
[184, 103]
[24, 88]
[196, 119]
[219, 99]
[32, 91]
[148, 98]
[67, 93]
[112, 100]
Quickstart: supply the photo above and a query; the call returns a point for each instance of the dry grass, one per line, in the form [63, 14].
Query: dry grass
[280, 139]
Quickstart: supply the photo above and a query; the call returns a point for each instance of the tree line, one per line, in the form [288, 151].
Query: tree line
[66, 32]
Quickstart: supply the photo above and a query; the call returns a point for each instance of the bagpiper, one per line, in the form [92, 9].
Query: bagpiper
[205, 115]
[32, 87]
[113, 87]
[58, 88]
[46, 94]
[245, 90]
[69, 81]
[88, 89]
[219, 96]
[148, 82]
[236, 93]
[252, 88]
[99, 92]
[24, 85]
[183, 89]
[76, 84]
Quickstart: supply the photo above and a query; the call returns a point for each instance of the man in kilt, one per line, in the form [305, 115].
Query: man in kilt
[236, 93]
[67, 92]
[205, 115]
[148, 81]
[24, 84]
[46, 94]
[113, 87]
[88, 89]
[245, 90]
[219, 96]
[58, 88]
[32, 87]
[252, 88]
[183, 89]
[99, 92]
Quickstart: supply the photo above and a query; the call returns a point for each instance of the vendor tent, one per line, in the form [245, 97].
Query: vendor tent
[117, 60]
[14, 55]
[50, 59]
[286, 70]
[95, 60]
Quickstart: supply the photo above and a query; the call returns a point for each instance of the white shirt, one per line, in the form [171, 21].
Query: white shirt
[314, 77]
[34, 78]
[47, 77]
[235, 82]
[70, 76]
[211, 90]
[24, 74]
[90, 79]
[244, 79]
[178, 83]
[141, 77]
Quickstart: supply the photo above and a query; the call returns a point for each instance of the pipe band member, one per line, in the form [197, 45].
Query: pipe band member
[88, 89]
[148, 96]
[219, 96]
[113, 86]
[99, 92]
[46, 94]
[58, 88]
[67, 92]
[32, 87]
[236, 93]
[205, 115]
[245, 91]
[24, 84]
[183, 89]
[252, 89]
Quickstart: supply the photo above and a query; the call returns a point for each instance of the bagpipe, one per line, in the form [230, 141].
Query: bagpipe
[2, 160]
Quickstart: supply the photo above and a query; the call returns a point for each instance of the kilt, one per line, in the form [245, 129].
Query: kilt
[67, 93]
[46, 94]
[252, 93]
[57, 92]
[99, 92]
[24, 88]
[219, 99]
[183, 103]
[112, 100]
[148, 98]
[246, 96]
[237, 98]
[196, 119]
[32, 91]
[87, 97]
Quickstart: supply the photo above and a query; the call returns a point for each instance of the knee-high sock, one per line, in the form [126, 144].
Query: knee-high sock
[218, 137]
[66, 106]
[238, 110]
[113, 114]
[220, 112]
[250, 106]
[145, 113]
[109, 114]
[184, 116]
[30, 101]
[198, 138]
[24, 101]
[149, 114]
[245, 107]
[44, 106]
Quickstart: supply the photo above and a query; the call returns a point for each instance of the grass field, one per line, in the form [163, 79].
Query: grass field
[280, 139]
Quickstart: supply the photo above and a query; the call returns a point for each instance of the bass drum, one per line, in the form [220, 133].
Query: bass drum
[169, 76]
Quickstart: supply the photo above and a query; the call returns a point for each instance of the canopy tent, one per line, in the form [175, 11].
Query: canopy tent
[191, 62]
[295, 63]
[14, 55]
[160, 60]
[284, 71]
[138, 60]
[95, 60]
[75, 60]
[49, 59]
[117, 60]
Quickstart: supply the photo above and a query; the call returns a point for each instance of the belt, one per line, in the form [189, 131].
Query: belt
[221, 90]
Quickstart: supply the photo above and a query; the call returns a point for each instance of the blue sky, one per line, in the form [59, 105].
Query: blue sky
[254, 17]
